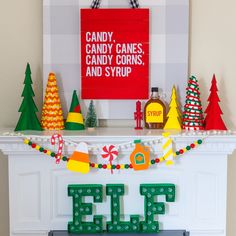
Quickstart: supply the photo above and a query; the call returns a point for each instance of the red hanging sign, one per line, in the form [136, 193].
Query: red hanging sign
[115, 53]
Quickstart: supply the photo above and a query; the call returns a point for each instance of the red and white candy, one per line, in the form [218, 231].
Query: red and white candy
[60, 146]
[110, 152]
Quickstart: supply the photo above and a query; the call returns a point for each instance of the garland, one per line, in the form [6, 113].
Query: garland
[113, 166]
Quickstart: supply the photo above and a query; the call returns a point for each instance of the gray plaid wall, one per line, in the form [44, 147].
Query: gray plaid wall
[169, 25]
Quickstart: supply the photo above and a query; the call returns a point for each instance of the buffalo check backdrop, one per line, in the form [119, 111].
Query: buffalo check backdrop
[169, 27]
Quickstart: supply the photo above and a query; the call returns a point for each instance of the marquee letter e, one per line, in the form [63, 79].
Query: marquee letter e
[80, 209]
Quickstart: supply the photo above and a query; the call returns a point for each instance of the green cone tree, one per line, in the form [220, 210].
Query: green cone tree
[91, 118]
[28, 119]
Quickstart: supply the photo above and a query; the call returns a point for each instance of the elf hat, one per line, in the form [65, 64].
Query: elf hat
[75, 120]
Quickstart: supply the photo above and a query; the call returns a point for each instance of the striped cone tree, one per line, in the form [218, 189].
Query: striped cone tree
[52, 116]
[193, 115]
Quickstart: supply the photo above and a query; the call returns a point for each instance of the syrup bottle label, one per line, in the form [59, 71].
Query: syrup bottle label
[154, 113]
[139, 158]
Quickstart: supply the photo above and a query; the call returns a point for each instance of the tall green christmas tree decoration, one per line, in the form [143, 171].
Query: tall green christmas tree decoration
[75, 120]
[28, 119]
[91, 118]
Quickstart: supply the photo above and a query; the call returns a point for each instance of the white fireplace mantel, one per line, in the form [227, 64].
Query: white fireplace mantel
[38, 187]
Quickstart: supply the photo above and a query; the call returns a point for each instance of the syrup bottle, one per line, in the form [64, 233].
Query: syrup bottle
[154, 112]
[140, 156]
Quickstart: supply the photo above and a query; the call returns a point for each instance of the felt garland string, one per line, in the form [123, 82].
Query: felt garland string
[118, 146]
[69, 142]
[118, 166]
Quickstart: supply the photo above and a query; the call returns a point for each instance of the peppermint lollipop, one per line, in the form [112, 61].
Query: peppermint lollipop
[110, 152]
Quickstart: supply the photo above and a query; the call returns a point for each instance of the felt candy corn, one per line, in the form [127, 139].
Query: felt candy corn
[79, 160]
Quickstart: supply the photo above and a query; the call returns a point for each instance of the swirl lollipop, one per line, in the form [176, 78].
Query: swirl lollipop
[110, 152]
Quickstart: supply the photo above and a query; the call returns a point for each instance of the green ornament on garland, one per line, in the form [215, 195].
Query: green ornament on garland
[75, 120]
[28, 119]
[91, 118]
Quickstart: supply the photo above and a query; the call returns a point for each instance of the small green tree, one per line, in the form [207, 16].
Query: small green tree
[28, 119]
[91, 118]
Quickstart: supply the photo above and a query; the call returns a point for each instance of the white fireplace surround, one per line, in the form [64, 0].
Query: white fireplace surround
[38, 187]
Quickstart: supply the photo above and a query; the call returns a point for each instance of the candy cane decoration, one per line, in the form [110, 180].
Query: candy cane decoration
[167, 149]
[60, 147]
[111, 152]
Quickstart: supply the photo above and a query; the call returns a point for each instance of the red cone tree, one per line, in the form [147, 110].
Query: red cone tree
[213, 120]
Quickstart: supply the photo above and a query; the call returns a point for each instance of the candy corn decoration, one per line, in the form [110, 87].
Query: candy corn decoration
[79, 160]
[75, 120]
[140, 157]
[167, 149]
[52, 117]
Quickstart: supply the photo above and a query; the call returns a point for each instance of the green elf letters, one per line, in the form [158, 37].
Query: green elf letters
[115, 191]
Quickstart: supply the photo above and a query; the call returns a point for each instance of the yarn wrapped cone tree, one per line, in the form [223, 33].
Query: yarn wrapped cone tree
[174, 114]
[193, 115]
[52, 116]
[213, 120]
[75, 120]
[28, 119]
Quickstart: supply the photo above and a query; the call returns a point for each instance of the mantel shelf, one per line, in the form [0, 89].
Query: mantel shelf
[113, 132]
[215, 142]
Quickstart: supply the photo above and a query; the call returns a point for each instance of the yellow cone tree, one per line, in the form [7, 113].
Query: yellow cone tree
[52, 117]
[174, 114]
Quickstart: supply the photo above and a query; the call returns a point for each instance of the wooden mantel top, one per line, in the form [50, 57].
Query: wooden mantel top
[120, 132]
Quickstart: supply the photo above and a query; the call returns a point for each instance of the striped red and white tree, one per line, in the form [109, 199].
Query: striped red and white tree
[193, 115]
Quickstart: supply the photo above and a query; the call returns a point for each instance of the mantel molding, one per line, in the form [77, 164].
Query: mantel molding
[221, 143]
